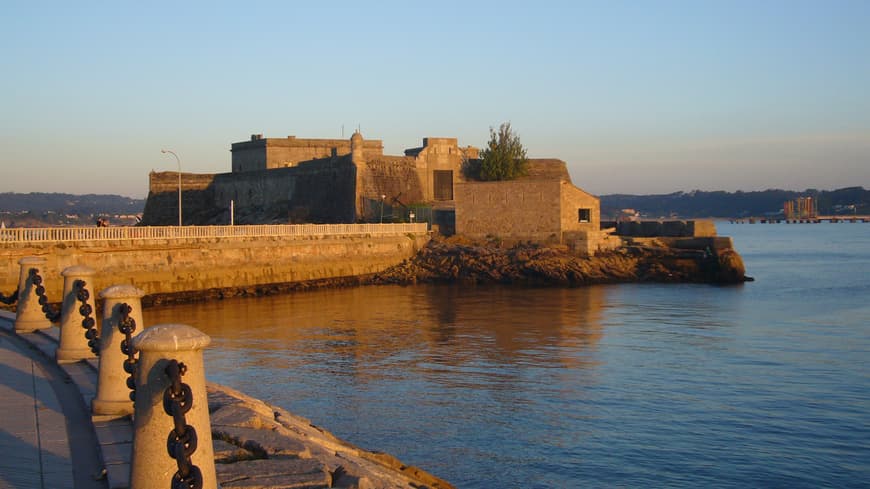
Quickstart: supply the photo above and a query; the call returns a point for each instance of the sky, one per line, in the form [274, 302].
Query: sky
[637, 97]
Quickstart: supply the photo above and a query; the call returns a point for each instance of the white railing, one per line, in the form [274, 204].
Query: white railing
[31, 235]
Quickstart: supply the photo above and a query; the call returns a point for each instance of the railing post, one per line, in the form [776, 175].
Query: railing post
[152, 467]
[113, 395]
[73, 344]
[29, 314]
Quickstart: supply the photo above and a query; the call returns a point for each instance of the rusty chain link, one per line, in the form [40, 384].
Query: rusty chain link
[9, 299]
[89, 323]
[127, 325]
[177, 401]
[50, 313]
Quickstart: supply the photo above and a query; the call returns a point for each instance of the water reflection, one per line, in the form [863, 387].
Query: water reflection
[361, 331]
[626, 386]
[438, 375]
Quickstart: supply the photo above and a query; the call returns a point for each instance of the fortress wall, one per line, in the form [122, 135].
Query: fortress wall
[319, 191]
[394, 176]
[161, 206]
[183, 265]
[282, 153]
[574, 199]
[516, 210]
[260, 154]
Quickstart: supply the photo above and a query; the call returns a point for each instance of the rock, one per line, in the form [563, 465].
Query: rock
[731, 268]
[346, 466]
[346, 481]
[280, 473]
[227, 452]
[241, 415]
[262, 443]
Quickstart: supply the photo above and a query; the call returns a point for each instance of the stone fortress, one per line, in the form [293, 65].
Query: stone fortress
[295, 180]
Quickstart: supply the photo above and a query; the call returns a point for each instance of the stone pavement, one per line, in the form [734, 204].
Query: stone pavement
[44, 442]
[48, 438]
[33, 437]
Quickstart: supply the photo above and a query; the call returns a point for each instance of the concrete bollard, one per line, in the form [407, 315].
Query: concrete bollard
[113, 395]
[152, 467]
[73, 344]
[29, 314]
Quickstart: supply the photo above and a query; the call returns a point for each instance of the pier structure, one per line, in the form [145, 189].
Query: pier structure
[851, 218]
[189, 259]
[55, 441]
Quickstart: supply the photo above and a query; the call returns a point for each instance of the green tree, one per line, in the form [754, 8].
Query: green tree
[504, 157]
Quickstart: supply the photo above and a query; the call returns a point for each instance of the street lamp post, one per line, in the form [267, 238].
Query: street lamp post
[382, 208]
[179, 181]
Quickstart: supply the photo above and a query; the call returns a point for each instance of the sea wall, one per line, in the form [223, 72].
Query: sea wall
[169, 266]
[674, 228]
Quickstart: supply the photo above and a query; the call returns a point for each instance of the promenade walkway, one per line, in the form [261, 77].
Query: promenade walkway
[46, 435]
[49, 440]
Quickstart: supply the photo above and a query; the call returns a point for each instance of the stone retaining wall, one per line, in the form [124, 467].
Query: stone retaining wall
[674, 229]
[182, 265]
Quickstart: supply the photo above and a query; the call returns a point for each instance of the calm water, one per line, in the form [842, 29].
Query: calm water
[765, 384]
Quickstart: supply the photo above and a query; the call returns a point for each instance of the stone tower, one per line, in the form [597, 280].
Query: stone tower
[357, 157]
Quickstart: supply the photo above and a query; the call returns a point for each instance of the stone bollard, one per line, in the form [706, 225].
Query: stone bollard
[152, 467]
[73, 344]
[113, 395]
[29, 314]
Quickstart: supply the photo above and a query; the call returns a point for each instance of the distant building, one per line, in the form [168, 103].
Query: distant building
[350, 180]
[801, 208]
[314, 180]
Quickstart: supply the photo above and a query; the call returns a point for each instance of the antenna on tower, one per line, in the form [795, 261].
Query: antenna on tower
[342, 131]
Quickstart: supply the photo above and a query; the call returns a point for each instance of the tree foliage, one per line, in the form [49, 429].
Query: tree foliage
[504, 157]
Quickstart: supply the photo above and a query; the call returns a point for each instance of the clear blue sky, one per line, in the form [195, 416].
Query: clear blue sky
[637, 97]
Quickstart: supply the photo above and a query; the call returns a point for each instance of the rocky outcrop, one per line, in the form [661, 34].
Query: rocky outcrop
[458, 260]
[260, 446]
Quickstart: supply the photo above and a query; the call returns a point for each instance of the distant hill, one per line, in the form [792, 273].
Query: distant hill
[82, 204]
[734, 204]
[54, 209]
[35, 209]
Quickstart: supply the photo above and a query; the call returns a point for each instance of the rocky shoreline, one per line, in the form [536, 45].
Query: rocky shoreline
[260, 446]
[640, 260]
[457, 260]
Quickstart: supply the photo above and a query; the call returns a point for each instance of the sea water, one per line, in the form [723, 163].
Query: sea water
[765, 384]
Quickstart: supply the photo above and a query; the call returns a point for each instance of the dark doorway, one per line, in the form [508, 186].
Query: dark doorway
[443, 184]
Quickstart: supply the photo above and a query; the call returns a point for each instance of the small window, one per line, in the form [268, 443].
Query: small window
[584, 215]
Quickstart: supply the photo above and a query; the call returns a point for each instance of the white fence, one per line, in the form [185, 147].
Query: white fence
[33, 235]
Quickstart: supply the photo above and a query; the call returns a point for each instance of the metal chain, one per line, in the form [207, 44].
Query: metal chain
[177, 401]
[50, 314]
[9, 299]
[127, 325]
[89, 323]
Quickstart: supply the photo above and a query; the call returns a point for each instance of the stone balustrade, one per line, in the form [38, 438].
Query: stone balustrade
[74, 234]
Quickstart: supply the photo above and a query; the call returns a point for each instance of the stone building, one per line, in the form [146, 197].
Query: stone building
[543, 207]
[351, 180]
[314, 180]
